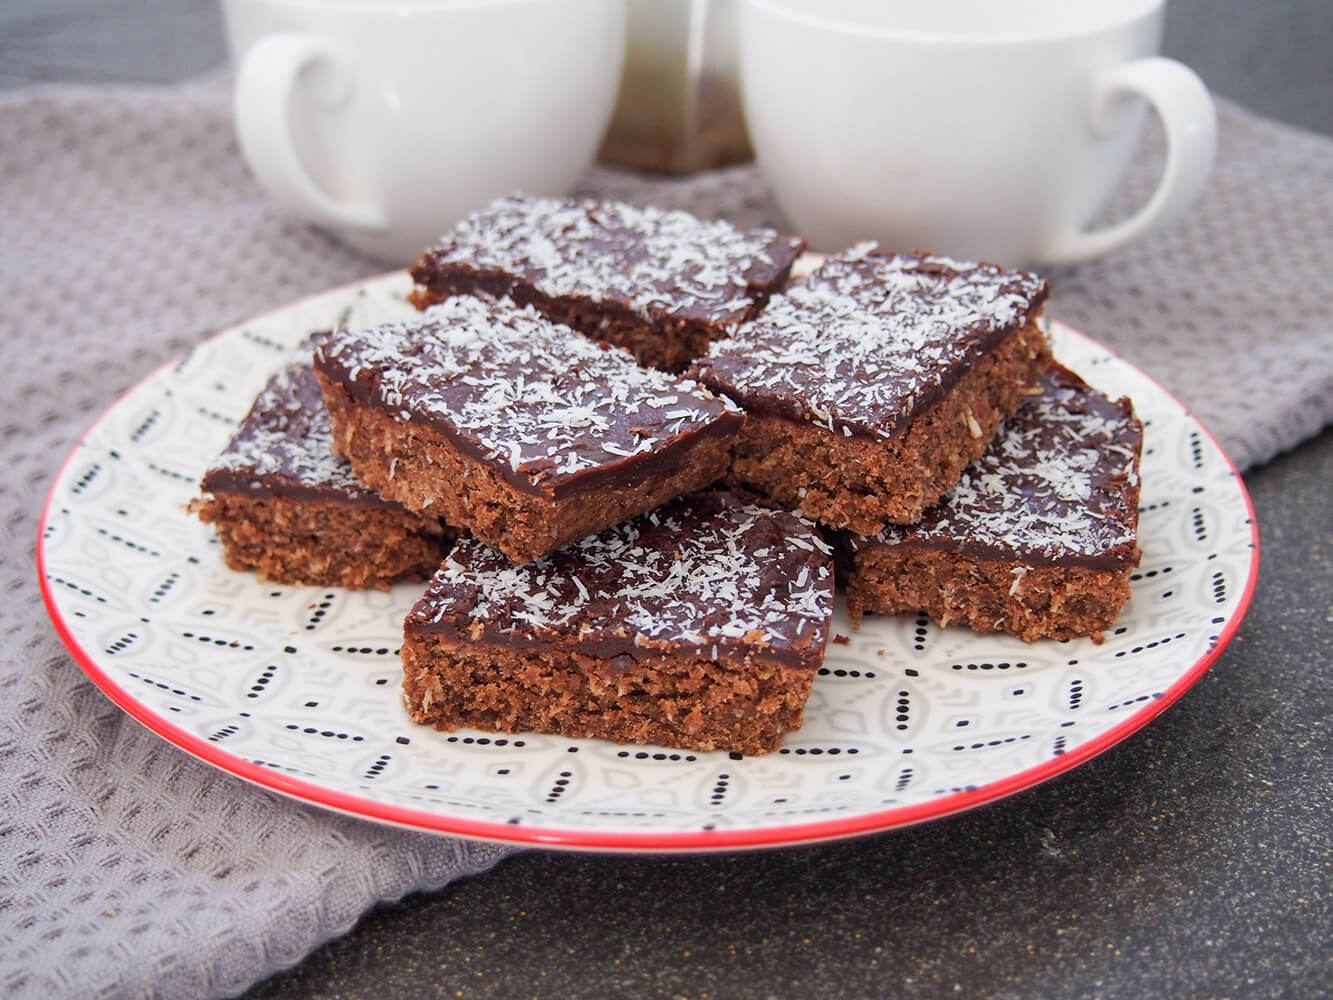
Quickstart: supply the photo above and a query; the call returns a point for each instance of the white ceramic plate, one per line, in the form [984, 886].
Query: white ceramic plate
[296, 689]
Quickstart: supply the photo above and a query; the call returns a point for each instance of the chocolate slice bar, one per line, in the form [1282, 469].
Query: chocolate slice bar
[284, 505]
[515, 427]
[699, 625]
[1039, 537]
[873, 381]
[661, 284]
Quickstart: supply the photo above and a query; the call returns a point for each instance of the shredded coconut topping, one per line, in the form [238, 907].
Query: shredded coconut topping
[1058, 483]
[523, 391]
[702, 571]
[286, 440]
[652, 260]
[868, 340]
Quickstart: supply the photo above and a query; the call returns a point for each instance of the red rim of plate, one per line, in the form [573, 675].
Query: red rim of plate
[691, 840]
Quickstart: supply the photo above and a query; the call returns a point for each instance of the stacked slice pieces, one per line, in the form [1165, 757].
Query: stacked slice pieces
[660, 284]
[872, 382]
[1039, 537]
[600, 588]
[515, 427]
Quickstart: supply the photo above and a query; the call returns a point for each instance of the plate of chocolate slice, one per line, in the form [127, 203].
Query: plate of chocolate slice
[701, 558]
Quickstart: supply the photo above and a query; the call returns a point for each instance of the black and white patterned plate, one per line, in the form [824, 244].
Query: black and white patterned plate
[296, 689]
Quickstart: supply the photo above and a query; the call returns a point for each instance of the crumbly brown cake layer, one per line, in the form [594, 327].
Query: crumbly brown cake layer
[1040, 534]
[284, 505]
[661, 284]
[859, 482]
[515, 427]
[675, 701]
[1031, 602]
[323, 543]
[873, 381]
[700, 624]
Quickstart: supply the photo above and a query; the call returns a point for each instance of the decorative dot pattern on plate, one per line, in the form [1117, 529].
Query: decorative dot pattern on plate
[297, 688]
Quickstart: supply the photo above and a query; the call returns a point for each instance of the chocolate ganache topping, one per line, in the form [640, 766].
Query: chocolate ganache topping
[551, 410]
[711, 574]
[868, 340]
[651, 261]
[1059, 485]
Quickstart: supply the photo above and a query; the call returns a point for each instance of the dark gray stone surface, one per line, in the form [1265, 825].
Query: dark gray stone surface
[1193, 860]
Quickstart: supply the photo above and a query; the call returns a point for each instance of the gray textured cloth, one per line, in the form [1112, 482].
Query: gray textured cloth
[131, 229]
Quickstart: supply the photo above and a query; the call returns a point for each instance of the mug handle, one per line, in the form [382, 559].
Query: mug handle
[265, 82]
[1189, 120]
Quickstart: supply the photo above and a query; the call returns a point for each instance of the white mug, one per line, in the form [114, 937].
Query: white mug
[987, 130]
[387, 122]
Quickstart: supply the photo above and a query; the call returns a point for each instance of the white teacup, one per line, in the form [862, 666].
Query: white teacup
[388, 122]
[986, 130]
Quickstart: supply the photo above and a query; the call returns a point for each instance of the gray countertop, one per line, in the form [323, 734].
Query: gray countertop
[1194, 859]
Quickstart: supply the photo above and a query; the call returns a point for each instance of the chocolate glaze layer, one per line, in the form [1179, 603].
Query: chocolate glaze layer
[713, 575]
[283, 447]
[650, 262]
[552, 412]
[1059, 485]
[869, 340]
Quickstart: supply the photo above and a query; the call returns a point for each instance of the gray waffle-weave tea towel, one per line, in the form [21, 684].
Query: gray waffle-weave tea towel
[131, 229]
